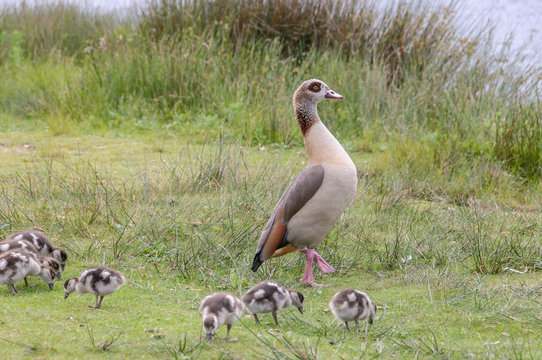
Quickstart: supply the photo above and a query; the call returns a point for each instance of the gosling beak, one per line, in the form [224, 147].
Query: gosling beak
[51, 286]
[66, 295]
[208, 337]
[330, 94]
[59, 275]
[300, 309]
[62, 266]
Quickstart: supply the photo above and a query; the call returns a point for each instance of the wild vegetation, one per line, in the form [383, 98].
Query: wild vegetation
[157, 143]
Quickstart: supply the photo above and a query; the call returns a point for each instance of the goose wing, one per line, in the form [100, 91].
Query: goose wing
[294, 198]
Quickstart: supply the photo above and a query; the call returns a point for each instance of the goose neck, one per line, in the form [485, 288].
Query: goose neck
[306, 114]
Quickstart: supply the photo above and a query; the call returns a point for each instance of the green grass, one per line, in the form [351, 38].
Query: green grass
[427, 314]
[181, 221]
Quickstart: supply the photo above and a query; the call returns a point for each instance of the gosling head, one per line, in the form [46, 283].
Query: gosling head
[48, 275]
[373, 312]
[69, 286]
[297, 300]
[54, 264]
[210, 324]
[60, 255]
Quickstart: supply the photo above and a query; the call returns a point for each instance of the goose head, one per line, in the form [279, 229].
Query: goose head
[314, 91]
[306, 97]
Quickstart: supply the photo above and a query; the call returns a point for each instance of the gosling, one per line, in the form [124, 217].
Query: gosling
[27, 246]
[42, 243]
[270, 297]
[99, 281]
[219, 309]
[16, 264]
[350, 304]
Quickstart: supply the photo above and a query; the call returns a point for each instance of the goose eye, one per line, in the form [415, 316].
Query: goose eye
[314, 87]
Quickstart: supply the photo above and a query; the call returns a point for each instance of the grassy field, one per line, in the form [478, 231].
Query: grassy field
[181, 222]
[152, 145]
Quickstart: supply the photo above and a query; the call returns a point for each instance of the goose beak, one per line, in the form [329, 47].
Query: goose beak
[300, 309]
[330, 94]
[59, 276]
[208, 337]
[62, 266]
[66, 295]
[51, 286]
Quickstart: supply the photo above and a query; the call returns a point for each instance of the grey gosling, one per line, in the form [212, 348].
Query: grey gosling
[16, 264]
[350, 304]
[42, 243]
[270, 297]
[318, 196]
[220, 309]
[25, 245]
[99, 281]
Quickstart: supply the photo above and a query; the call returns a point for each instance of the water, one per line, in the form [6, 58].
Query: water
[520, 18]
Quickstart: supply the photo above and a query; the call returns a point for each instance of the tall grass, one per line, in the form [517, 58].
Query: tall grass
[518, 139]
[417, 94]
[64, 27]
[202, 210]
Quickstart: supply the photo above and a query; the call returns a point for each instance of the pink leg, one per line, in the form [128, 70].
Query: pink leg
[313, 256]
[322, 264]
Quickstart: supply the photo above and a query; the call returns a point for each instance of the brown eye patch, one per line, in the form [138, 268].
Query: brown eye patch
[314, 87]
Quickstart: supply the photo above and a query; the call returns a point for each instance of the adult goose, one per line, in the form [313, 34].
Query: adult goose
[316, 199]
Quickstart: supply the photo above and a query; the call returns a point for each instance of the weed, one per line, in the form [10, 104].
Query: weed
[106, 345]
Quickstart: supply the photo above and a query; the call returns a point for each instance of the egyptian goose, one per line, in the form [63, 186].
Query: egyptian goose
[99, 281]
[316, 199]
[220, 309]
[270, 297]
[350, 304]
[42, 243]
[16, 264]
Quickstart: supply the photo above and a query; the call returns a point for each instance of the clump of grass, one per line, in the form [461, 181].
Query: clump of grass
[55, 27]
[401, 36]
[182, 349]
[491, 247]
[518, 139]
[106, 345]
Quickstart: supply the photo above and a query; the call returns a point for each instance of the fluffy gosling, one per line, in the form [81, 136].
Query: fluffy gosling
[350, 304]
[270, 297]
[42, 243]
[16, 264]
[220, 309]
[25, 245]
[99, 281]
